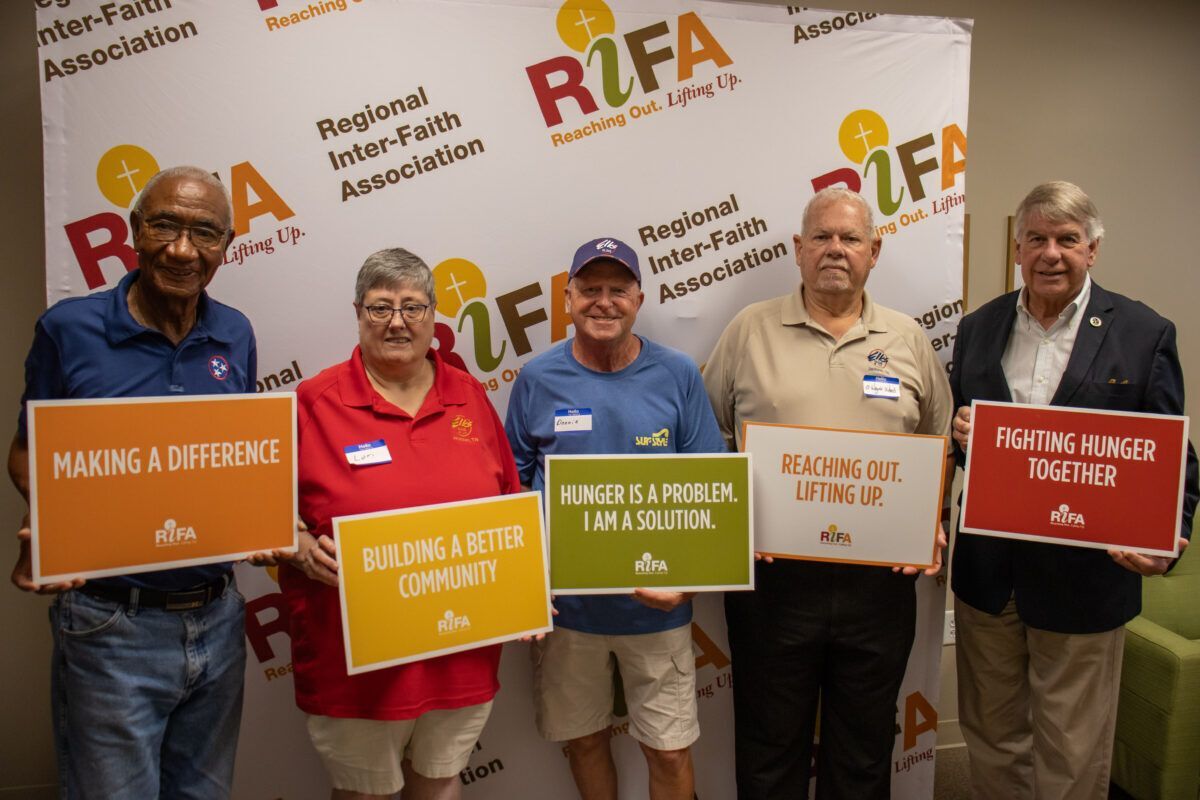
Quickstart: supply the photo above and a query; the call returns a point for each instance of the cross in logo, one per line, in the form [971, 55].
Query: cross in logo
[128, 175]
[863, 134]
[584, 19]
[456, 287]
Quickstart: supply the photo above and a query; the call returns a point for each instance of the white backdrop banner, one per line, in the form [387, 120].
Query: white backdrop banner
[492, 138]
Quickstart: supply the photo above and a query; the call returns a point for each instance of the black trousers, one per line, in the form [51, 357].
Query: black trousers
[837, 633]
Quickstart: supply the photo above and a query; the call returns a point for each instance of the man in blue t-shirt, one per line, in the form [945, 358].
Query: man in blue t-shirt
[599, 393]
[147, 670]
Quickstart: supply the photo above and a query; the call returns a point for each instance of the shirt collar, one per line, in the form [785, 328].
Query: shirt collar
[356, 389]
[1072, 308]
[794, 312]
[120, 325]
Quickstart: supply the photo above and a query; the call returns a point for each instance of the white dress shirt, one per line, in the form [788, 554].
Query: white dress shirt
[1035, 358]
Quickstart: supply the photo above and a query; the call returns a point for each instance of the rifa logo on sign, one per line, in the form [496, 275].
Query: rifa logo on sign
[832, 535]
[1063, 515]
[172, 534]
[649, 565]
[452, 623]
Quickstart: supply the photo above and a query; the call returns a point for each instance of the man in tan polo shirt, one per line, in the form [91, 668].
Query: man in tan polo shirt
[840, 632]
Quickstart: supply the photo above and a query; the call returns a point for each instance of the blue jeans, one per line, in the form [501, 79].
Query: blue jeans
[147, 702]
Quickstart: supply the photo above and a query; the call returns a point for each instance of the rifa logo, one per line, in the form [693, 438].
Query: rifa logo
[919, 717]
[462, 291]
[661, 438]
[172, 534]
[1065, 517]
[122, 172]
[831, 535]
[589, 28]
[452, 623]
[864, 138]
[649, 565]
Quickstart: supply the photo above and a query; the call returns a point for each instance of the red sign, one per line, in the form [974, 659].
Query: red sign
[1104, 479]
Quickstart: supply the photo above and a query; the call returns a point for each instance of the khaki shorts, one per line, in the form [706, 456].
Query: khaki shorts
[365, 755]
[573, 685]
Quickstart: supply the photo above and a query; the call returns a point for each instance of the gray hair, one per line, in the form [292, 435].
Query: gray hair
[184, 171]
[391, 267]
[838, 194]
[1060, 201]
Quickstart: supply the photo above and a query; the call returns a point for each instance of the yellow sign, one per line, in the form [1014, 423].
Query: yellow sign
[423, 582]
[127, 485]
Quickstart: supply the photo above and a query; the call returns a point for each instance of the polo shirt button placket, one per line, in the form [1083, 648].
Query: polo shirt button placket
[176, 386]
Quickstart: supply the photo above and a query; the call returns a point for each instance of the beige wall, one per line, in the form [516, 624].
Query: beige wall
[1101, 93]
[26, 750]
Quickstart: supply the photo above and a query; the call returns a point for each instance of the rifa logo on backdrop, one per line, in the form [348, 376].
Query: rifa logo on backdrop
[462, 292]
[864, 137]
[919, 717]
[587, 27]
[122, 172]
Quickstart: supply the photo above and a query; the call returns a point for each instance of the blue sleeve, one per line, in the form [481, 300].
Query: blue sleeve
[252, 364]
[43, 374]
[523, 449]
[701, 434]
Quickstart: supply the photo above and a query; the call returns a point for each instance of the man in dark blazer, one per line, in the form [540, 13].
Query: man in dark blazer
[1040, 626]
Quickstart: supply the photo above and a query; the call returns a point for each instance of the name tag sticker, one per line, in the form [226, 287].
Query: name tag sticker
[572, 419]
[881, 386]
[367, 453]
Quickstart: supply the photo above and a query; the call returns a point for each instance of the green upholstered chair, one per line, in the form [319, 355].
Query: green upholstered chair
[1157, 749]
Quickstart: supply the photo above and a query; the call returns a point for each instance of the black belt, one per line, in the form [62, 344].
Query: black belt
[182, 600]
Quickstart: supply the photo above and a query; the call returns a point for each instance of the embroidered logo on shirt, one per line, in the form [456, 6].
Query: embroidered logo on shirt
[649, 565]
[462, 427]
[877, 358]
[219, 367]
[172, 534]
[660, 438]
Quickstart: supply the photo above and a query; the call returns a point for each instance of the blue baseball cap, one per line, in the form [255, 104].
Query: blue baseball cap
[609, 249]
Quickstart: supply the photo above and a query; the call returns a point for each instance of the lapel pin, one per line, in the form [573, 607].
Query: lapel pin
[1095, 322]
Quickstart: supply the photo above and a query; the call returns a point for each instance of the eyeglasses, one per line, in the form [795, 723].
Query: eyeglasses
[382, 314]
[166, 230]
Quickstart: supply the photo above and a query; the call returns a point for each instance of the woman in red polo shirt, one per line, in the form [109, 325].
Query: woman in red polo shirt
[379, 432]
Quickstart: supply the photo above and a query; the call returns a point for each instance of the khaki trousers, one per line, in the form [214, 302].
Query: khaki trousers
[1037, 709]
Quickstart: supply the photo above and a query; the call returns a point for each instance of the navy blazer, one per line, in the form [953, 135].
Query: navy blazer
[1059, 587]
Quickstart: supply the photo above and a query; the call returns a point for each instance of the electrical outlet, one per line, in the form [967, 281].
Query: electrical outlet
[948, 631]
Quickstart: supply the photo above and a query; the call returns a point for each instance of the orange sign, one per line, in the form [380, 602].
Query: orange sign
[128, 485]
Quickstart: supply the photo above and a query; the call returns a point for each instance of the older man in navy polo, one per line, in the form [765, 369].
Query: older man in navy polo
[147, 669]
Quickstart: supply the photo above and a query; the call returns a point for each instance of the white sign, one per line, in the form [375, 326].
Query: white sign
[838, 495]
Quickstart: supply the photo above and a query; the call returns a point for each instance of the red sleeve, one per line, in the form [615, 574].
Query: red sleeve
[511, 482]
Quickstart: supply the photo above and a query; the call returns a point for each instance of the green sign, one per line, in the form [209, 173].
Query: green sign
[679, 522]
